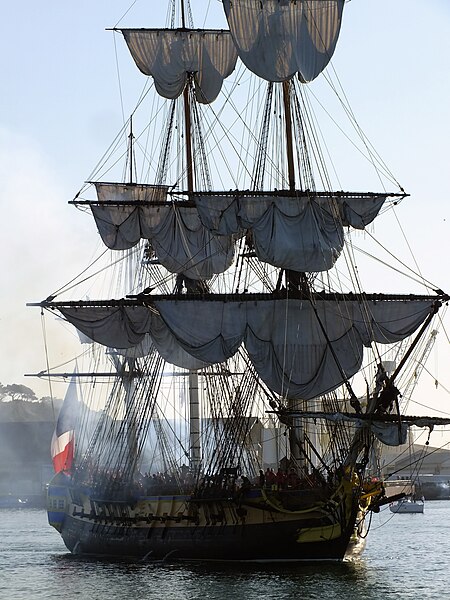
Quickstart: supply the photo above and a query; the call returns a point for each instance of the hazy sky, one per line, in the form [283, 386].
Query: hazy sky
[61, 107]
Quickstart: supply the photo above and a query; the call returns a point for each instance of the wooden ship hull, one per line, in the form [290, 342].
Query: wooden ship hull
[250, 527]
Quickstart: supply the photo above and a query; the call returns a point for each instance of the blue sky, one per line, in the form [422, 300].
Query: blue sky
[60, 107]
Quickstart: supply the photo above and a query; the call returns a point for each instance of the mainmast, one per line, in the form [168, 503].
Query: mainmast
[194, 406]
[297, 445]
[187, 119]
[288, 128]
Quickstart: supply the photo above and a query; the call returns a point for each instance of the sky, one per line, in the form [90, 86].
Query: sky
[61, 105]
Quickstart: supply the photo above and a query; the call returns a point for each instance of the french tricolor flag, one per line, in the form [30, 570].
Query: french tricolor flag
[63, 440]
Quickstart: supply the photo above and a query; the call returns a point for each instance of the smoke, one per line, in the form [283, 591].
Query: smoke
[38, 246]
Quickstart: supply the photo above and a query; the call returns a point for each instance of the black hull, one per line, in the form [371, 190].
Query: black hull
[268, 542]
[252, 527]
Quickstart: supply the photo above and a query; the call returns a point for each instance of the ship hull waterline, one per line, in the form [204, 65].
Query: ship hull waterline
[245, 533]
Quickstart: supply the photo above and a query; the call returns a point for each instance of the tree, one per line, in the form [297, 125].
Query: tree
[47, 400]
[16, 391]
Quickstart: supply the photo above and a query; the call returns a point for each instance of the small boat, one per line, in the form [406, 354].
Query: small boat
[10, 501]
[407, 505]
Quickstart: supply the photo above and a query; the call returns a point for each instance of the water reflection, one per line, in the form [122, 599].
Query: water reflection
[215, 581]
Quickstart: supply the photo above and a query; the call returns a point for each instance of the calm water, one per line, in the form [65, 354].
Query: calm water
[406, 557]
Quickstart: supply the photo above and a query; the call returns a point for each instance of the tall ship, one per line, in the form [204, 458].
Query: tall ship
[238, 376]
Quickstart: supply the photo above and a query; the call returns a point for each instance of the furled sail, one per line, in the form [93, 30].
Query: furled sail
[171, 55]
[294, 344]
[389, 429]
[278, 38]
[168, 348]
[389, 433]
[304, 232]
[126, 213]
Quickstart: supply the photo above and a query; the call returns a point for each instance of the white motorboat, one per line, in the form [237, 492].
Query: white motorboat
[407, 505]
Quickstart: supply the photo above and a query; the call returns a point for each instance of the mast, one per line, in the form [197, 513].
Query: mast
[194, 423]
[128, 377]
[288, 127]
[194, 406]
[129, 381]
[187, 129]
[296, 432]
[183, 15]
[187, 119]
[130, 148]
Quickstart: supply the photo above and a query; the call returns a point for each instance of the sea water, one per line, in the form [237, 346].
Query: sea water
[406, 557]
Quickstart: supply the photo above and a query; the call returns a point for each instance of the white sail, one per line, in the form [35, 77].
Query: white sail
[128, 213]
[170, 56]
[293, 345]
[170, 349]
[302, 233]
[278, 38]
